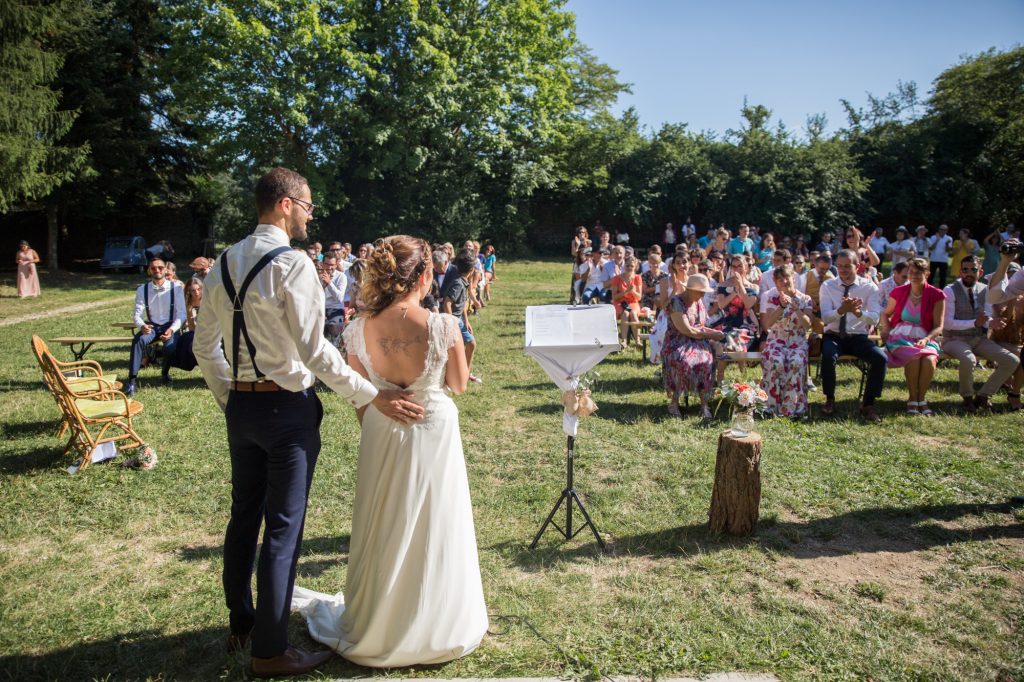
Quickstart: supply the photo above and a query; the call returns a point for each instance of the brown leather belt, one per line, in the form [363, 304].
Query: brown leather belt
[255, 386]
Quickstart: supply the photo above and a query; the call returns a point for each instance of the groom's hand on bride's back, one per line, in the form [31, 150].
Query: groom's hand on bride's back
[398, 406]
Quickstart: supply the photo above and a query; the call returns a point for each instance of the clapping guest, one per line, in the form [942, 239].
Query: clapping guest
[627, 288]
[868, 260]
[653, 277]
[579, 240]
[965, 326]
[849, 309]
[675, 284]
[786, 315]
[688, 359]
[735, 311]
[720, 243]
[1009, 333]
[909, 326]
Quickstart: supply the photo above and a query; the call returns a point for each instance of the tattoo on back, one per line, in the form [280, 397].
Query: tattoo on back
[394, 344]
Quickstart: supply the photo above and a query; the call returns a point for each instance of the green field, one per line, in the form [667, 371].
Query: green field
[884, 552]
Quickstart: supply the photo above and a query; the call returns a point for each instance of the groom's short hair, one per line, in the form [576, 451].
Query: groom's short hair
[275, 185]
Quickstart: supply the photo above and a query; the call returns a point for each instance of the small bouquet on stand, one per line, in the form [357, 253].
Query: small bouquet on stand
[744, 399]
[578, 402]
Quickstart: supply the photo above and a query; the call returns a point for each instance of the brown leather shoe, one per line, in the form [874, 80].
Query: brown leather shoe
[982, 402]
[292, 662]
[869, 413]
[237, 643]
[968, 405]
[829, 408]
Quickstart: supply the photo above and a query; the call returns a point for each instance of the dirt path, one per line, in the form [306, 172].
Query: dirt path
[71, 309]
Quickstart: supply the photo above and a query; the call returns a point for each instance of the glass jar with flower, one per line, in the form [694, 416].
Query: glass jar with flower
[744, 400]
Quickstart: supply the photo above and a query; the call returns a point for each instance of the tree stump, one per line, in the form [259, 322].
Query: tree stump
[736, 499]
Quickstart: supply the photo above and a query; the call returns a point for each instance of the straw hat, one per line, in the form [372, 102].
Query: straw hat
[698, 283]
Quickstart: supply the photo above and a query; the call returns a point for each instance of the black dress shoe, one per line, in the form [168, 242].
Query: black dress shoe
[129, 389]
[292, 662]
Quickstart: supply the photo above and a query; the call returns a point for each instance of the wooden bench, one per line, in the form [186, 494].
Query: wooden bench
[79, 345]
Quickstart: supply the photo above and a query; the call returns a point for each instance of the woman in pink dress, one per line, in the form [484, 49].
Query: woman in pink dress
[909, 327]
[786, 315]
[28, 278]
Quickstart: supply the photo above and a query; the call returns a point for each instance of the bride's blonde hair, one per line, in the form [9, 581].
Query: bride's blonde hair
[392, 270]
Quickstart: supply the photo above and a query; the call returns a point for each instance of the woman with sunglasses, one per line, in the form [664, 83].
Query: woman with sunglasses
[853, 239]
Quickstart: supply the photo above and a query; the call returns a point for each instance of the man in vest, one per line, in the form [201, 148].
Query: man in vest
[159, 314]
[965, 337]
[264, 300]
[821, 273]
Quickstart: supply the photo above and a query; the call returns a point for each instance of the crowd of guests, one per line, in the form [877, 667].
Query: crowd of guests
[462, 285]
[166, 308]
[746, 291]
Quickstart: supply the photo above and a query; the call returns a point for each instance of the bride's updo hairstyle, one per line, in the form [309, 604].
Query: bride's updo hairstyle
[392, 270]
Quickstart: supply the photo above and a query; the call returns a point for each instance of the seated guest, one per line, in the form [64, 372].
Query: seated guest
[159, 314]
[646, 265]
[1008, 331]
[611, 269]
[779, 258]
[813, 281]
[592, 273]
[965, 337]
[849, 309]
[735, 309]
[688, 360]
[627, 288]
[575, 290]
[786, 315]
[897, 279]
[335, 283]
[675, 284]
[200, 267]
[653, 277]
[910, 325]
[184, 358]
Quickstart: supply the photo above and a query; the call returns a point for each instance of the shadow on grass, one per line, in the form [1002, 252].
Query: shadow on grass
[143, 654]
[317, 556]
[35, 460]
[862, 531]
[47, 427]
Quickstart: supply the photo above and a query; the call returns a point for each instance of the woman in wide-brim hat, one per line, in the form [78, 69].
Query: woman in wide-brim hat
[688, 360]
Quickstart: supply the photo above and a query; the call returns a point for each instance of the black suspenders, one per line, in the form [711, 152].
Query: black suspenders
[145, 297]
[239, 329]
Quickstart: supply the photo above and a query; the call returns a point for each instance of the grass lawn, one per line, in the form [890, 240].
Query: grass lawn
[63, 289]
[884, 552]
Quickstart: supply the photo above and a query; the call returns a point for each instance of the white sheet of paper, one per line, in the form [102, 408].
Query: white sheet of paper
[559, 326]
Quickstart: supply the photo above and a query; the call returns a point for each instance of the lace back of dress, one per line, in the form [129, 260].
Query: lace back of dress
[442, 330]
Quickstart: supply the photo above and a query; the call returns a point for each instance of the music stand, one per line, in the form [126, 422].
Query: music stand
[567, 341]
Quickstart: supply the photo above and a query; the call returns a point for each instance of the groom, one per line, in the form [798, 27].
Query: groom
[264, 300]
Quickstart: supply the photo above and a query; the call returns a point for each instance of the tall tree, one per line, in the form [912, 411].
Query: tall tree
[34, 39]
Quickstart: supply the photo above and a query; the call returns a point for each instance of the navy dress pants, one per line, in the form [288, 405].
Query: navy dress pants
[274, 438]
[860, 346]
[139, 344]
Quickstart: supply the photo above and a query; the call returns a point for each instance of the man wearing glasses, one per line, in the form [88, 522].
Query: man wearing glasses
[159, 314]
[965, 328]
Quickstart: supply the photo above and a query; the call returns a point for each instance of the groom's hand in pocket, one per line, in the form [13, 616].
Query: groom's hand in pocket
[398, 406]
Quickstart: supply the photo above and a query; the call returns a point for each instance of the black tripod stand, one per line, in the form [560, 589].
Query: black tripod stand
[569, 496]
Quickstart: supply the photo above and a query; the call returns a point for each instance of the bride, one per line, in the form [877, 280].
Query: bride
[414, 594]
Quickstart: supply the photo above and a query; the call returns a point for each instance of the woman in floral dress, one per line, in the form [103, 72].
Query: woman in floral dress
[911, 323]
[688, 360]
[786, 315]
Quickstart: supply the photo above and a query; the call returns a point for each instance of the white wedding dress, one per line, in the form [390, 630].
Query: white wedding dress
[413, 593]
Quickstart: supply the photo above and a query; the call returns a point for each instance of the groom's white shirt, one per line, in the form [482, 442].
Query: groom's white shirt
[284, 313]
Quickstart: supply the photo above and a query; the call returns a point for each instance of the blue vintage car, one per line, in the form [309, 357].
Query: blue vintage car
[124, 253]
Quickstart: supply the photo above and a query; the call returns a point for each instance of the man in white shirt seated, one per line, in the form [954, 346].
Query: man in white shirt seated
[849, 310]
[900, 275]
[159, 314]
[611, 269]
[965, 327]
[903, 248]
[335, 284]
[592, 275]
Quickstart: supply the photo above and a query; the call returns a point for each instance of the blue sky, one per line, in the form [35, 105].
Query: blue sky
[693, 62]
